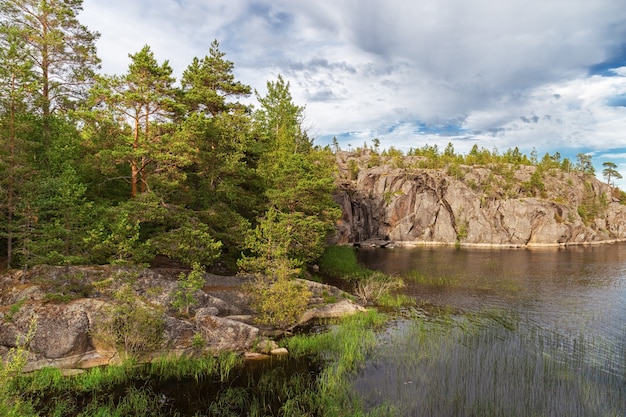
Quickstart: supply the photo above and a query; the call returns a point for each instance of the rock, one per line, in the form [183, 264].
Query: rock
[65, 336]
[279, 352]
[255, 356]
[478, 205]
[267, 346]
[219, 307]
[339, 309]
[223, 334]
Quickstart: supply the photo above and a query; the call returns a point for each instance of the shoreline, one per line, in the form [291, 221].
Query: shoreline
[417, 244]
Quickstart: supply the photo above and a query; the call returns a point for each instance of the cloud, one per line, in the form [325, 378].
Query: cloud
[530, 73]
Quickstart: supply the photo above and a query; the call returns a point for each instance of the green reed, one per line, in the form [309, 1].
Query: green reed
[495, 364]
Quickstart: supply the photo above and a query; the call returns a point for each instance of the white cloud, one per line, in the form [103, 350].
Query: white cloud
[512, 73]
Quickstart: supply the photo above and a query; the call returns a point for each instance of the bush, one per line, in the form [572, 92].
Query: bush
[340, 261]
[373, 288]
[279, 302]
[131, 325]
[184, 297]
[11, 405]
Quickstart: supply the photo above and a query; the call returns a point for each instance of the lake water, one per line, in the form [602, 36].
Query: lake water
[503, 332]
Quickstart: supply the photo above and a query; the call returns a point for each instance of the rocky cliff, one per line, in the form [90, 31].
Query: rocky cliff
[384, 198]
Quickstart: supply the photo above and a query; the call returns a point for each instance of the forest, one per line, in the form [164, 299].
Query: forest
[140, 168]
[129, 168]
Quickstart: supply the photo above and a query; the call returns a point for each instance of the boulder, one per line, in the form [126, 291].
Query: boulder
[222, 334]
[339, 309]
[64, 338]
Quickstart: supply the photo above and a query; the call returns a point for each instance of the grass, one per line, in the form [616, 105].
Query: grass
[14, 309]
[430, 280]
[494, 364]
[372, 287]
[343, 351]
[341, 261]
[396, 301]
[286, 388]
[96, 392]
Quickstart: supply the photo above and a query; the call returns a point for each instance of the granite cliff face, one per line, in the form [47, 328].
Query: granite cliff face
[394, 199]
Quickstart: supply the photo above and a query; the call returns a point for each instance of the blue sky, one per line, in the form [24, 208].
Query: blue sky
[543, 74]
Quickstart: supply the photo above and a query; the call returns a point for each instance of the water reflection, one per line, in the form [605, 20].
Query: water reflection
[565, 353]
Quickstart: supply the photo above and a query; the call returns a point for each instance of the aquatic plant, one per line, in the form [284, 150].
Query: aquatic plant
[493, 363]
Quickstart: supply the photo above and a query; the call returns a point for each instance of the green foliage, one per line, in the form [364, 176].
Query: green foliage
[14, 309]
[370, 286]
[376, 287]
[535, 185]
[396, 300]
[340, 261]
[584, 164]
[117, 238]
[279, 302]
[271, 245]
[209, 81]
[184, 297]
[354, 169]
[592, 205]
[462, 231]
[61, 51]
[131, 325]
[610, 171]
[68, 289]
[11, 402]
[455, 170]
[190, 244]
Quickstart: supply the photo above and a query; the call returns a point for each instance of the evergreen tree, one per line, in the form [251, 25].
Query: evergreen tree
[221, 185]
[584, 163]
[299, 177]
[16, 129]
[610, 171]
[62, 51]
[209, 83]
[143, 101]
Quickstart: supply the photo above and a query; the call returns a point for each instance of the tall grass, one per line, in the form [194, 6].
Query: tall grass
[207, 366]
[494, 365]
[372, 287]
[341, 262]
[343, 351]
[124, 390]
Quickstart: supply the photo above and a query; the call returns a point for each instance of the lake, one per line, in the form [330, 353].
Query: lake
[503, 332]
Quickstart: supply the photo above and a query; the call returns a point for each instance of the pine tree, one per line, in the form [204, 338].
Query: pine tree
[299, 177]
[610, 171]
[62, 51]
[16, 128]
[209, 83]
[143, 103]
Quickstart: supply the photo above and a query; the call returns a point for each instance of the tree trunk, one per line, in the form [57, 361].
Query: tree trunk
[134, 169]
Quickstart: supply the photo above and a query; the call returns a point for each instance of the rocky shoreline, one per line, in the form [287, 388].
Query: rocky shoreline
[70, 303]
[475, 206]
[390, 244]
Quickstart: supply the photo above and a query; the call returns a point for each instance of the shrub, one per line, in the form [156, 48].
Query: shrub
[184, 297]
[279, 302]
[14, 309]
[353, 166]
[131, 325]
[340, 261]
[375, 286]
[11, 405]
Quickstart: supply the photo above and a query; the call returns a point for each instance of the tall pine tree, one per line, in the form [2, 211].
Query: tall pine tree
[62, 51]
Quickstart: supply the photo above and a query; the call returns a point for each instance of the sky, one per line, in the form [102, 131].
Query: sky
[542, 74]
